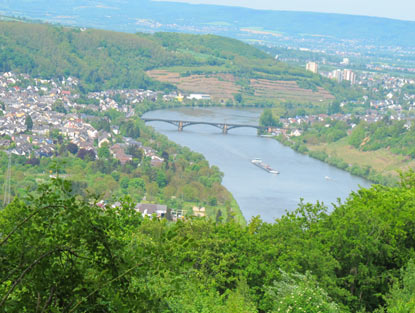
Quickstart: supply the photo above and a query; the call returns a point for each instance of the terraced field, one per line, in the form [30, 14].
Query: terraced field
[218, 86]
[288, 90]
[224, 86]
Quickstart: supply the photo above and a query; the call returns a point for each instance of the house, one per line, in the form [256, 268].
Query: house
[115, 129]
[156, 161]
[295, 133]
[132, 142]
[4, 143]
[148, 151]
[147, 209]
[200, 212]
[118, 153]
[103, 137]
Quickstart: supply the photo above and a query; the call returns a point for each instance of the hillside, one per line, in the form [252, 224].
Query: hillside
[163, 61]
[242, 23]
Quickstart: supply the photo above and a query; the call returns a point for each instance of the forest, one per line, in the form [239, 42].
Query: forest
[60, 252]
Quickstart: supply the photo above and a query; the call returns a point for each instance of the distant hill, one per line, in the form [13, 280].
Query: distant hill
[241, 23]
[211, 64]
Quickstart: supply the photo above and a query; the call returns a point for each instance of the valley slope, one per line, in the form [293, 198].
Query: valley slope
[162, 61]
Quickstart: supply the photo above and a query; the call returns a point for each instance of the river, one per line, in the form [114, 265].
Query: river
[257, 191]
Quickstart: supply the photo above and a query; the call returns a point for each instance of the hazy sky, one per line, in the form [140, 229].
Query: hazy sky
[398, 9]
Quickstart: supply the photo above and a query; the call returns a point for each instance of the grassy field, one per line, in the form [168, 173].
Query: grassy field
[382, 160]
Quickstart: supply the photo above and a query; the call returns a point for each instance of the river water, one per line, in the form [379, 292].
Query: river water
[257, 191]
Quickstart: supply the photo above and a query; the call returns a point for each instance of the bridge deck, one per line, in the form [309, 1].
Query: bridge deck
[187, 123]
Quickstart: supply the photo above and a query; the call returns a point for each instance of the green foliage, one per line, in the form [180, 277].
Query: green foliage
[130, 129]
[267, 119]
[59, 251]
[187, 175]
[298, 293]
[29, 123]
[101, 124]
[402, 296]
[357, 136]
[327, 131]
[104, 152]
[376, 235]
[393, 135]
[58, 106]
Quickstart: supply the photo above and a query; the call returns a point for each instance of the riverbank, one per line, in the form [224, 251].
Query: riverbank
[225, 211]
[380, 166]
[256, 191]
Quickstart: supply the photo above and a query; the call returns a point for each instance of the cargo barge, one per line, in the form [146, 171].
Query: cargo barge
[265, 167]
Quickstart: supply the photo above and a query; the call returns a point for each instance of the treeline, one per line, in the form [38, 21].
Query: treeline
[60, 252]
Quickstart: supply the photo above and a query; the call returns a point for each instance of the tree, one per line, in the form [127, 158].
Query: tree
[267, 119]
[219, 216]
[72, 148]
[169, 216]
[86, 154]
[298, 293]
[29, 123]
[130, 129]
[401, 299]
[334, 107]
[135, 152]
[238, 98]
[46, 244]
[58, 106]
[357, 136]
[104, 152]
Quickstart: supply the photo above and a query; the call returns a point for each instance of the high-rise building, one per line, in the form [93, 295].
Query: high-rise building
[312, 67]
[349, 76]
[337, 75]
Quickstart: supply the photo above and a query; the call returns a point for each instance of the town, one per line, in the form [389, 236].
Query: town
[35, 116]
[34, 112]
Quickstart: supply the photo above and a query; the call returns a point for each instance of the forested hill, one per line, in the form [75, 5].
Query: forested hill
[106, 59]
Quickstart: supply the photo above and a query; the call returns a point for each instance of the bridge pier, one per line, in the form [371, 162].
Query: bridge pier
[225, 129]
[180, 126]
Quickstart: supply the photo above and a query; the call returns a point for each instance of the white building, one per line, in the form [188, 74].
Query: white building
[345, 61]
[349, 76]
[198, 96]
[337, 75]
[312, 67]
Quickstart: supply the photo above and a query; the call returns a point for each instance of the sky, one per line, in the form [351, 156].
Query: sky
[397, 9]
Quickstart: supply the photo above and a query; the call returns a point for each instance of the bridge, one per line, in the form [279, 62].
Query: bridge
[225, 127]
